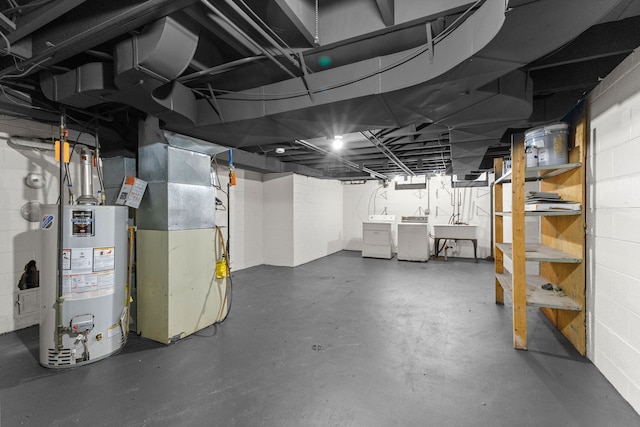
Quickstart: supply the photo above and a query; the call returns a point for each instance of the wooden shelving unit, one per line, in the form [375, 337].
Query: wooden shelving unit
[561, 252]
[540, 253]
[538, 297]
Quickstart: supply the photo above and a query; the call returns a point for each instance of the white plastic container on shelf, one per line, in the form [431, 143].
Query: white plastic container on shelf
[551, 141]
[531, 156]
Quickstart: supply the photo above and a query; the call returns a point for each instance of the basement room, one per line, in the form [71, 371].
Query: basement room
[320, 213]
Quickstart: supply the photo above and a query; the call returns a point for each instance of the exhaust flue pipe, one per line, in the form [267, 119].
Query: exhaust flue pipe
[86, 180]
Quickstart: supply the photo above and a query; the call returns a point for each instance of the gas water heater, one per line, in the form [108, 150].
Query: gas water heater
[83, 279]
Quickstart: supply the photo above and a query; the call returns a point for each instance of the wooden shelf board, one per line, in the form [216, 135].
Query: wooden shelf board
[540, 253]
[540, 172]
[544, 213]
[536, 296]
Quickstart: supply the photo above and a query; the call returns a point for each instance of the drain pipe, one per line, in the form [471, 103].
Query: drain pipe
[62, 148]
[231, 183]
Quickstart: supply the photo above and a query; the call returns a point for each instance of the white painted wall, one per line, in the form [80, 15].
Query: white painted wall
[613, 229]
[361, 200]
[302, 219]
[278, 219]
[317, 218]
[20, 239]
[247, 213]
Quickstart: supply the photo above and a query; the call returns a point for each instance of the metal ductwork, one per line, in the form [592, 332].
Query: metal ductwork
[146, 66]
[467, 77]
[463, 78]
[88, 85]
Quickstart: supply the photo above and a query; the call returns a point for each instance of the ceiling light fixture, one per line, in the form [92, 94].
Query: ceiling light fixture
[337, 142]
[280, 150]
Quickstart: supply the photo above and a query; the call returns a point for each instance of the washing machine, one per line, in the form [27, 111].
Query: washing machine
[413, 238]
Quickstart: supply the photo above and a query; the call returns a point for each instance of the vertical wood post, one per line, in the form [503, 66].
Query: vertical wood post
[498, 236]
[518, 235]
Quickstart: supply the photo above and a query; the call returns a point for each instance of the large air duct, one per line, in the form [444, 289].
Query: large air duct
[440, 81]
[143, 76]
[147, 64]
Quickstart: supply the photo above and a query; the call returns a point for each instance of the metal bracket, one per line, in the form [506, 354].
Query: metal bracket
[214, 103]
[430, 40]
[303, 67]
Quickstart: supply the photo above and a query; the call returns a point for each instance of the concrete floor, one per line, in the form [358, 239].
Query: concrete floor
[341, 341]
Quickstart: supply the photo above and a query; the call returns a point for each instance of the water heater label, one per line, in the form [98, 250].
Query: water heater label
[82, 283]
[82, 223]
[81, 260]
[66, 259]
[104, 259]
[107, 282]
[87, 286]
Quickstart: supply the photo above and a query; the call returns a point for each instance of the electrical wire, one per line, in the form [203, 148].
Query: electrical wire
[67, 172]
[372, 197]
[67, 179]
[226, 299]
[217, 185]
[7, 50]
[99, 167]
[414, 54]
[15, 62]
[10, 97]
[27, 71]
[228, 291]
[26, 6]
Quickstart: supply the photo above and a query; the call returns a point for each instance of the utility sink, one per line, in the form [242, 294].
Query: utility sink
[450, 231]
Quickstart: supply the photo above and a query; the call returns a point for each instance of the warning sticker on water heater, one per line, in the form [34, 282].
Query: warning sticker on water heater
[81, 260]
[107, 282]
[75, 283]
[66, 259]
[86, 286]
[104, 259]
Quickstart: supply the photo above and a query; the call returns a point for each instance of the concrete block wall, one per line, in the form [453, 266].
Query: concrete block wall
[278, 219]
[613, 229]
[246, 217]
[302, 219]
[317, 216]
[19, 238]
[357, 205]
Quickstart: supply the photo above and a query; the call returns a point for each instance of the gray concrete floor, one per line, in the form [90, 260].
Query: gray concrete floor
[341, 341]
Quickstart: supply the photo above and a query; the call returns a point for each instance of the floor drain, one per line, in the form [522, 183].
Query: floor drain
[316, 347]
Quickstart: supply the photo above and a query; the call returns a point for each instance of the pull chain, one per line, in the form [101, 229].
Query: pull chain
[317, 37]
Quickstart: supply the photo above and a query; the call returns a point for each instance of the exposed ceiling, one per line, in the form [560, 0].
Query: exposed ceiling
[413, 87]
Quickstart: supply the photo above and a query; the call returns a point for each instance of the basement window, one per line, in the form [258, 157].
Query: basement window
[473, 180]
